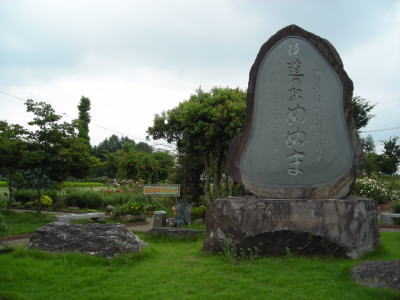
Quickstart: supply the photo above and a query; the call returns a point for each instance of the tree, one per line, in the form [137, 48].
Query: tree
[12, 151]
[84, 119]
[391, 156]
[368, 144]
[361, 111]
[54, 148]
[202, 128]
[144, 147]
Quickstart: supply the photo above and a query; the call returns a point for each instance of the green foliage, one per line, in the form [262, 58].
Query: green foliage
[129, 208]
[391, 156]
[3, 224]
[374, 188]
[73, 184]
[198, 212]
[13, 146]
[233, 254]
[98, 200]
[3, 183]
[202, 128]
[46, 200]
[395, 207]
[141, 166]
[361, 111]
[371, 163]
[55, 150]
[367, 144]
[24, 196]
[84, 119]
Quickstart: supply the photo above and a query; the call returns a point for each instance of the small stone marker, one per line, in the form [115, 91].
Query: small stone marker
[299, 155]
[160, 218]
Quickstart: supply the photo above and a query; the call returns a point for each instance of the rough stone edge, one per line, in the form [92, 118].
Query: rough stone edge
[210, 242]
[341, 188]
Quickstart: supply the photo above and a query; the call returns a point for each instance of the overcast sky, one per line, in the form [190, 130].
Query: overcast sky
[137, 58]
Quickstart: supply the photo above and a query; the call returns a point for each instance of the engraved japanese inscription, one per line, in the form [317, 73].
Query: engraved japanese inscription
[299, 135]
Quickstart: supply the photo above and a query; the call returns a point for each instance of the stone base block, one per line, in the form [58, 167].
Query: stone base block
[339, 227]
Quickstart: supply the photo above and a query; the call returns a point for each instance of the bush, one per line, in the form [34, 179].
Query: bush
[69, 184]
[24, 196]
[84, 199]
[395, 207]
[129, 208]
[46, 200]
[3, 183]
[373, 188]
[96, 200]
[199, 212]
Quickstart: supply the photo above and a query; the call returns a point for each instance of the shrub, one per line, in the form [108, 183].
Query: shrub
[199, 212]
[84, 199]
[374, 189]
[96, 200]
[3, 183]
[24, 196]
[69, 184]
[129, 208]
[46, 200]
[395, 207]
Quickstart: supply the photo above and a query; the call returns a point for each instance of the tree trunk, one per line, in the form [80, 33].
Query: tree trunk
[207, 179]
[10, 179]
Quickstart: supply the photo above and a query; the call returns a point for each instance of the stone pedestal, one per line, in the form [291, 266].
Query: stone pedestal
[340, 227]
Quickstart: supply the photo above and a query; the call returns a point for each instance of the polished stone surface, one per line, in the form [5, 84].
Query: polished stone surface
[299, 135]
[299, 140]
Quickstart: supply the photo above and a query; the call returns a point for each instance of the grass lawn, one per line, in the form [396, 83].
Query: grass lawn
[26, 222]
[180, 270]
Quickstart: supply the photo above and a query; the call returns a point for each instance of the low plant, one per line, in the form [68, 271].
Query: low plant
[3, 183]
[395, 207]
[198, 212]
[70, 184]
[24, 196]
[234, 254]
[129, 208]
[373, 188]
[46, 200]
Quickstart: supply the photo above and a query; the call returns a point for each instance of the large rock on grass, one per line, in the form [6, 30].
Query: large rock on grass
[378, 274]
[94, 239]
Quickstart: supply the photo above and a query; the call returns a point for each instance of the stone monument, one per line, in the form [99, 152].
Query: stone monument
[299, 155]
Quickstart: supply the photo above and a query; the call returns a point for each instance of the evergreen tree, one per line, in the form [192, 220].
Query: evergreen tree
[84, 119]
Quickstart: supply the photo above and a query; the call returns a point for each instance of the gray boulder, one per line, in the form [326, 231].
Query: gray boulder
[94, 239]
[378, 274]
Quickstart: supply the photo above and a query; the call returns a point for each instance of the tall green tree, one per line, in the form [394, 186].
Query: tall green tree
[12, 151]
[371, 159]
[84, 119]
[54, 148]
[202, 128]
[390, 159]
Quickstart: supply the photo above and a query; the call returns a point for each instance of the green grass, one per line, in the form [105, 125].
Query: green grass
[180, 270]
[3, 183]
[69, 184]
[26, 222]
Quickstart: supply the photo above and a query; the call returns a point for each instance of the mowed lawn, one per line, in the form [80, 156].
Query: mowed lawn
[180, 270]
